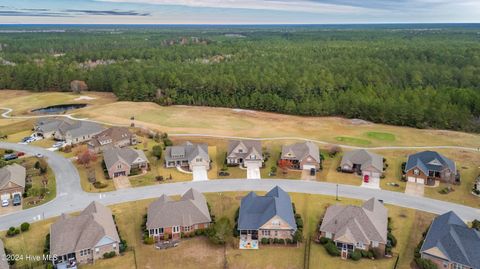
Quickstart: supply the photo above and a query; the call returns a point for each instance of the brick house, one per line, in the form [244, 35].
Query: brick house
[270, 216]
[356, 227]
[121, 161]
[113, 136]
[302, 156]
[84, 238]
[184, 216]
[428, 166]
[451, 244]
[12, 180]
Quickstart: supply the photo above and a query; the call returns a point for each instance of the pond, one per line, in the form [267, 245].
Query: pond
[57, 109]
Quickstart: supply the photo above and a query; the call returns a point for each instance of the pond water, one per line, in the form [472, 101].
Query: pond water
[57, 109]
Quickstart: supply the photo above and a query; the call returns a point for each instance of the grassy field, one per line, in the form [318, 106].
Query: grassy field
[408, 225]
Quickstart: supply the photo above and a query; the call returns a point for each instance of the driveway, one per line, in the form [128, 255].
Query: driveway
[121, 183]
[199, 173]
[373, 183]
[306, 175]
[415, 189]
[253, 170]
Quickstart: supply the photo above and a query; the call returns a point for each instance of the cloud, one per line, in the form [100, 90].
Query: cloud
[107, 12]
[16, 13]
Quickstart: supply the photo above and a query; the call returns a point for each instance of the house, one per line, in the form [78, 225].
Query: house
[84, 238]
[3, 257]
[243, 152]
[113, 136]
[356, 227]
[476, 187]
[451, 244]
[362, 162]
[184, 216]
[68, 130]
[187, 155]
[270, 216]
[12, 180]
[302, 156]
[121, 161]
[427, 166]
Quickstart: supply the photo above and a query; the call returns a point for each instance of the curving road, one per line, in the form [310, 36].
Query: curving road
[71, 197]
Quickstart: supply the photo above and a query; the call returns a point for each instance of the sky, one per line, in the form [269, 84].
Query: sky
[238, 11]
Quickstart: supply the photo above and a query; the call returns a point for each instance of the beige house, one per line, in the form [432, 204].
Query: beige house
[362, 162]
[356, 227]
[121, 161]
[68, 130]
[245, 152]
[12, 180]
[84, 238]
[188, 155]
[113, 136]
[302, 156]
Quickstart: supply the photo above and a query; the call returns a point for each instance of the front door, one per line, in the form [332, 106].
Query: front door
[344, 251]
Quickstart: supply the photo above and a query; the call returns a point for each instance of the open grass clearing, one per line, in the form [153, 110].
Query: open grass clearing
[381, 136]
[353, 140]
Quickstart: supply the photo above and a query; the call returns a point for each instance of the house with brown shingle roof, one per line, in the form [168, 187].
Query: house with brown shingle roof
[362, 162]
[174, 217]
[86, 237]
[113, 136]
[302, 156]
[121, 161]
[12, 180]
[356, 227]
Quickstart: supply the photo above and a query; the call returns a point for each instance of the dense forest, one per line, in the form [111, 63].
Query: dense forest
[420, 76]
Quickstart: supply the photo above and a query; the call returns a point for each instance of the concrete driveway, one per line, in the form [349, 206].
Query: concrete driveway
[415, 189]
[200, 173]
[306, 175]
[121, 183]
[253, 171]
[373, 183]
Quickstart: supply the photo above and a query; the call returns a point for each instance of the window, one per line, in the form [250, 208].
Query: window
[374, 244]
[97, 250]
[328, 235]
[176, 229]
[266, 232]
[114, 246]
[276, 223]
[240, 150]
[416, 172]
[198, 160]
[119, 166]
[186, 229]
[152, 231]
[276, 233]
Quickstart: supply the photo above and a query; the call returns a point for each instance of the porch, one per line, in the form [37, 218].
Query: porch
[248, 239]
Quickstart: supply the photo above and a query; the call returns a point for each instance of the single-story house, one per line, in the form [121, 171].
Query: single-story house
[3, 257]
[12, 180]
[362, 162]
[356, 227]
[187, 155]
[427, 166]
[270, 216]
[121, 161]
[166, 216]
[243, 152]
[301, 156]
[68, 130]
[84, 238]
[451, 244]
[113, 136]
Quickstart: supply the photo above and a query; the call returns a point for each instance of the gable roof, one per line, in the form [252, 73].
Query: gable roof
[76, 128]
[251, 146]
[71, 234]
[111, 155]
[188, 150]
[429, 161]
[256, 210]
[302, 150]
[110, 136]
[357, 224]
[3, 260]
[12, 173]
[191, 209]
[451, 237]
[364, 158]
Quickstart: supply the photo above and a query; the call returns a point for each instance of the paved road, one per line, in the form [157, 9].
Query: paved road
[71, 197]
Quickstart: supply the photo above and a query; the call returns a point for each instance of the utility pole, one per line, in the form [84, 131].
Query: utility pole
[337, 193]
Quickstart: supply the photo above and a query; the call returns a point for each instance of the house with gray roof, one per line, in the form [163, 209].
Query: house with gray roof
[187, 155]
[302, 156]
[243, 152]
[356, 227]
[270, 216]
[3, 257]
[68, 130]
[84, 238]
[450, 243]
[12, 180]
[428, 166]
[362, 162]
[122, 161]
[114, 136]
[170, 218]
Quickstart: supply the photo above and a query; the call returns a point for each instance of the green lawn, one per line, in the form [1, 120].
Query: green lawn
[381, 136]
[353, 140]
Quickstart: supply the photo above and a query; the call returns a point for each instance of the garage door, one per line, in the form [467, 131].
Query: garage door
[416, 180]
[308, 167]
[199, 173]
[5, 196]
[420, 180]
[412, 179]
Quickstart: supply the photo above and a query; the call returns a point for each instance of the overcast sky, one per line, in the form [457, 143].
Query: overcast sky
[237, 11]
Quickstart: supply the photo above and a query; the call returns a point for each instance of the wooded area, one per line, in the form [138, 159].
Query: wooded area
[411, 76]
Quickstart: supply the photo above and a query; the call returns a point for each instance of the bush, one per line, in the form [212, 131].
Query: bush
[377, 253]
[99, 185]
[12, 231]
[425, 264]
[298, 236]
[265, 241]
[356, 255]
[288, 241]
[46, 245]
[324, 240]
[25, 226]
[148, 240]
[365, 253]
[281, 241]
[157, 151]
[332, 249]
[109, 255]
[123, 246]
[391, 238]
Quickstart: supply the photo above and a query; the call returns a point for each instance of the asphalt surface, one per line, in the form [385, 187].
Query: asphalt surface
[71, 197]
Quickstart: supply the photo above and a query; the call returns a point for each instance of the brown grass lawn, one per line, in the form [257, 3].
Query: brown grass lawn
[408, 226]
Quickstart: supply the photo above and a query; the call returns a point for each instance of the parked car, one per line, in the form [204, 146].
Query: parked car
[5, 203]
[9, 157]
[366, 178]
[39, 155]
[20, 153]
[17, 199]
[312, 171]
[58, 144]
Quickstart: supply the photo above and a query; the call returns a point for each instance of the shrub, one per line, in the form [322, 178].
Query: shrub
[123, 246]
[265, 241]
[109, 255]
[157, 151]
[391, 238]
[377, 253]
[288, 241]
[275, 240]
[365, 253]
[298, 236]
[25, 226]
[332, 249]
[148, 240]
[324, 240]
[425, 264]
[99, 185]
[356, 255]
[281, 241]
